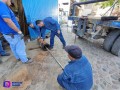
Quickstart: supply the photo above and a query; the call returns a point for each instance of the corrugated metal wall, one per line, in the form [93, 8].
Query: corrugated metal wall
[39, 9]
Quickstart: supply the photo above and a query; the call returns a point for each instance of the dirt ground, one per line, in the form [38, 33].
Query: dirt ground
[42, 73]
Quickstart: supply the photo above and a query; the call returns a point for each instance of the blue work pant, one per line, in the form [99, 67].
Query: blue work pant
[59, 80]
[52, 36]
[2, 52]
[67, 85]
[17, 46]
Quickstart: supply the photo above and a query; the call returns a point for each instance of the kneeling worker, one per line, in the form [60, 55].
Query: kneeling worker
[77, 75]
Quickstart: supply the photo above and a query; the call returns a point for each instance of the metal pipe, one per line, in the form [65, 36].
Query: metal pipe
[55, 59]
[50, 54]
[57, 62]
[89, 2]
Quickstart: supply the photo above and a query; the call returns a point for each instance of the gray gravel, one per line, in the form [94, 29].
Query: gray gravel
[106, 67]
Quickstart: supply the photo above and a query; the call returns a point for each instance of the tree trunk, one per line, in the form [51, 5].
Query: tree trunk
[22, 19]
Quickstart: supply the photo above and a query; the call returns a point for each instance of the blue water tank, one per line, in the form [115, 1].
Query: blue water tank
[38, 10]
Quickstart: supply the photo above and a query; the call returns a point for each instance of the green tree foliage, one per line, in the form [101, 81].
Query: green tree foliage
[108, 3]
[104, 4]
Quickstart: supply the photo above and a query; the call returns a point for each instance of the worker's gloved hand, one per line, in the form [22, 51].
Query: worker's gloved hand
[44, 42]
[58, 31]
[21, 35]
[41, 40]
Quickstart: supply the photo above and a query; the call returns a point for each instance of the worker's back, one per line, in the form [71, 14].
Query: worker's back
[79, 73]
[51, 24]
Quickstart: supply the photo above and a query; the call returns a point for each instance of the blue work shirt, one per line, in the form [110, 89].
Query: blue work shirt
[41, 31]
[50, 24]
[6, 12]
[77, 75]
[36, 29]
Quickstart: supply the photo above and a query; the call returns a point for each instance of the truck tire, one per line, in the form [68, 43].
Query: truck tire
[116, 47]
[110, 39]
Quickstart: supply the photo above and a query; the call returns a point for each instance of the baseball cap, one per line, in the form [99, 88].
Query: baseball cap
[74, 51]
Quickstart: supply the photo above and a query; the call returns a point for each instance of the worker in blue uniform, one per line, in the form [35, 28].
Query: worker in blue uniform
[10, 29]
[38, 32]
[77, 75]
[51, 24]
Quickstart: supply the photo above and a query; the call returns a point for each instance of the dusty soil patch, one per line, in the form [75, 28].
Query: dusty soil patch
[19, 75]
[41, 56]
[26, 73]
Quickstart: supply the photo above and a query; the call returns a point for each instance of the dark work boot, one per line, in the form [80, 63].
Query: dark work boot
[64, 46]
[6, 54]
[29, 61]
[50, 48]
[18, 60]
[27, 58]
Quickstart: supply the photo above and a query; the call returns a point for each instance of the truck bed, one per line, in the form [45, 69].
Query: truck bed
[98, 21]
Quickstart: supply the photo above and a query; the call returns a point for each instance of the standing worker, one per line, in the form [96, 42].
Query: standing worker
[10, 29]
[77, 75]
[51, 24]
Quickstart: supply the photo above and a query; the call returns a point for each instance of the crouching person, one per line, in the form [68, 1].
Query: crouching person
[77, 75]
